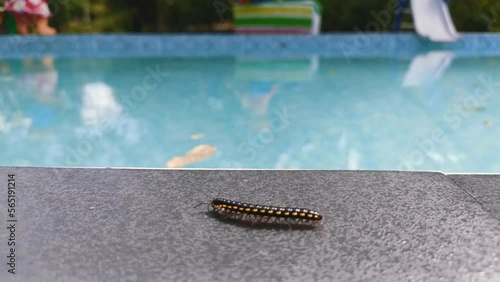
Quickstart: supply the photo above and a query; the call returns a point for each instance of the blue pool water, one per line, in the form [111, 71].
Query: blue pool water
[295, 112]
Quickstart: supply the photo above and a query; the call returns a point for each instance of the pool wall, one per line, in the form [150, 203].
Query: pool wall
[182, 45]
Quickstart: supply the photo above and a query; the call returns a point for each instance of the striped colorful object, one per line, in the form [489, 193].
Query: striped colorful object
[293, 17]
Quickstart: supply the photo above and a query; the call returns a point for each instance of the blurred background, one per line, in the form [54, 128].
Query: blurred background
[390, 103]
[105, 16]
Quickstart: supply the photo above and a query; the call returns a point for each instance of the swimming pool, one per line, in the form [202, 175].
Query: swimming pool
[259, 102]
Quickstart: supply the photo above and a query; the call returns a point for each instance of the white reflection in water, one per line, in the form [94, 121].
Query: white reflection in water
[99, 104]
[15, 121]
[428, 69]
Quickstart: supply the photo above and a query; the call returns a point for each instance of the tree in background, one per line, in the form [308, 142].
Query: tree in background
[468, 15]
[476, 15]
[348, 16]
[77, 16]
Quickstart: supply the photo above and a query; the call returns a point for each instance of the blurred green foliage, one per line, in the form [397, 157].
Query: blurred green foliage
[476, 15]
[206, 15]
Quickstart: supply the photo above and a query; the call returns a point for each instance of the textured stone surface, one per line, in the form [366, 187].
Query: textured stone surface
[140, 225]
[484, 188]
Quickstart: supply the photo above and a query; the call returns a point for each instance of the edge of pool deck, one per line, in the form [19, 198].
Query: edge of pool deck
[103, 224]
[339, 45]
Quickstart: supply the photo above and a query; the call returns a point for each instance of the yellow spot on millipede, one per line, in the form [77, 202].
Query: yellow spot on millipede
[235, 207]
[241, 209]
[294, 213]
[255, 210]
[302, 214]
[286, 213]
[229, 207]
[270, 212]
[224, 206]
[278, 213]
[310, 215]
[247, 209]
[316, 216]
[262, 211]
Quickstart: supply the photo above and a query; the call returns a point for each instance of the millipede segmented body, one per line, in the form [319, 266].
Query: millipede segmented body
[265, 214]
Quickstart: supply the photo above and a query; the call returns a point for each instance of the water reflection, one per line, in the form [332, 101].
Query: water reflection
[37, 84]
[260, 79]
[428, 68]
[309, 113]
[99, 104]
[29, 109]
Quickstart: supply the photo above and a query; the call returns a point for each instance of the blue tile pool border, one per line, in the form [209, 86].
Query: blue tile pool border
[356, 45]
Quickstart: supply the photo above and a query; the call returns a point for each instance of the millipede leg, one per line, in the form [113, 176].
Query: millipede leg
[225, 214]
[259, 219]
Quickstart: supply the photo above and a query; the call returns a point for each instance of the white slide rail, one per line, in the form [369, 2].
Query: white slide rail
[433, 20]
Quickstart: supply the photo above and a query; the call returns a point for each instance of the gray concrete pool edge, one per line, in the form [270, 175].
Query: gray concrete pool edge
[102, 224]
[485, 188]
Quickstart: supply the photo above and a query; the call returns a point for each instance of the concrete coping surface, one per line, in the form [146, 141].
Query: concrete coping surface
[82, 224]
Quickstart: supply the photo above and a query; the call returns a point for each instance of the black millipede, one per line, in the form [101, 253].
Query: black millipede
[264, 214]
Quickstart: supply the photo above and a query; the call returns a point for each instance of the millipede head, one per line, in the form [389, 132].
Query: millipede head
[203, 203]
